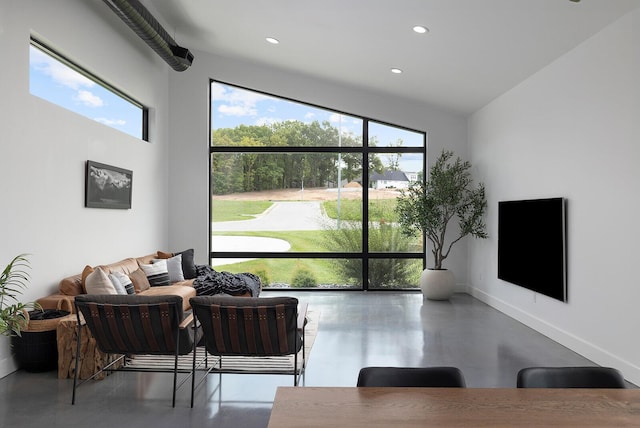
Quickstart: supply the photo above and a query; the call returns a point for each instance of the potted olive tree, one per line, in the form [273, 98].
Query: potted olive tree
[429, 208]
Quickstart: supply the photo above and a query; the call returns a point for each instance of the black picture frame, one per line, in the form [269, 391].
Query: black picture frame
[107, 186]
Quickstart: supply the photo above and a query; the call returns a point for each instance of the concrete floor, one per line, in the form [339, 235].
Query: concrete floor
[356, 329]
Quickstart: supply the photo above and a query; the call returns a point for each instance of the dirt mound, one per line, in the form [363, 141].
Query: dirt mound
[310, 194]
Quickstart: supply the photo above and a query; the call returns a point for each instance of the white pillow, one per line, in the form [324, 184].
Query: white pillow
[174, 266]
[97, 282]
[117, 284]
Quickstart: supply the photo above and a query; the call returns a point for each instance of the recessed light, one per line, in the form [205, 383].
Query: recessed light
[396, 71]
[272, 40]
[420, 29]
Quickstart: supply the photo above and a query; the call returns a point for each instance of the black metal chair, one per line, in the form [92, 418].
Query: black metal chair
[446, 377]
[570, 377]
[251, 327]
[136, 325]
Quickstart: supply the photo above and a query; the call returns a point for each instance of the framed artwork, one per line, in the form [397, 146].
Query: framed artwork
[107, 186]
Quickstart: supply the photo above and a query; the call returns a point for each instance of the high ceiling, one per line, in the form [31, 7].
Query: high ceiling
[474, 50]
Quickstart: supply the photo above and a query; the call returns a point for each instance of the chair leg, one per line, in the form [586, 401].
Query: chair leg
[304, 357]
[75, 373]
[193, 366]
[175, 369]
[295, 369]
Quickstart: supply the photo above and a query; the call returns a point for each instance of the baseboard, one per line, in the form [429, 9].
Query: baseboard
[7, 366]
[586, 349]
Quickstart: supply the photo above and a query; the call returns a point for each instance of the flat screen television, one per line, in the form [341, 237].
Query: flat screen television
[532, 245]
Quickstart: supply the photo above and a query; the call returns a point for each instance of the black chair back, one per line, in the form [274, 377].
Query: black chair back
[248, 326]
[570, 377]
[135, 324]
[448, 377]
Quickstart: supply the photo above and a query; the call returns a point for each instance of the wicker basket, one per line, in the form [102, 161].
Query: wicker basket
[36, 350]
[47, 319]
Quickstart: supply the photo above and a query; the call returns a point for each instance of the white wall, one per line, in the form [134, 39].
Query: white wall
[189, 128]
[43, 148]
[572, 130]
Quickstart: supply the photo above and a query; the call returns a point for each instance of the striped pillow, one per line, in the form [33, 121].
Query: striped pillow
[157, 273]
[125, 281]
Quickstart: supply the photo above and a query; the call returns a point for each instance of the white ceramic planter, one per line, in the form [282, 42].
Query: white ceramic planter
[437, 284]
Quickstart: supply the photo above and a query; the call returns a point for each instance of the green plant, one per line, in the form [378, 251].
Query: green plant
[429, 207]
[263, 274]
[390, 272]
[13, 281]
[303, 278]
[384, 237]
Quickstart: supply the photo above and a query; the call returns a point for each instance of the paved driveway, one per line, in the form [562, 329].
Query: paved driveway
[294, 215]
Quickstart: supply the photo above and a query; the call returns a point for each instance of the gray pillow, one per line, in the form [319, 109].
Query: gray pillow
[125, 281]
[174, 266]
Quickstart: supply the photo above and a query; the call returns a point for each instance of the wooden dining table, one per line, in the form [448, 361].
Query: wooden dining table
[453, 407]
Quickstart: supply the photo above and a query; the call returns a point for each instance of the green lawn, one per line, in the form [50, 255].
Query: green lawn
[274, 271]
[283, 270]
[237, 210]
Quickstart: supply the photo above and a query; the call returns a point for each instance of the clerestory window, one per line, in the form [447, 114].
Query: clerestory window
[57, 79]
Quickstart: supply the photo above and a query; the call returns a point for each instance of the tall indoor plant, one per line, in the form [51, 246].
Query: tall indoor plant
[429, 208]
[13, 281]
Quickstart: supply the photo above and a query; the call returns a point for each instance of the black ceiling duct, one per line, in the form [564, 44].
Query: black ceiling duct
[140, 20]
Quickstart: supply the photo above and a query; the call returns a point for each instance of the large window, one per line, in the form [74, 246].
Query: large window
[305, 197]
[58, 80]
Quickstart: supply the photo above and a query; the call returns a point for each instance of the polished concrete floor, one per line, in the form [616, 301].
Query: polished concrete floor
[356, 329]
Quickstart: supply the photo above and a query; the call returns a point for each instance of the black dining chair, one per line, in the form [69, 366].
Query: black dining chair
[570, 377]
[445, 377]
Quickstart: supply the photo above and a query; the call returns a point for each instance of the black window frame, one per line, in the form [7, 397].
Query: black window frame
[365, 150]
[39, 44]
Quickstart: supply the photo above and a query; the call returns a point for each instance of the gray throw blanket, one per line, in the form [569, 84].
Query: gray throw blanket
[209, 282]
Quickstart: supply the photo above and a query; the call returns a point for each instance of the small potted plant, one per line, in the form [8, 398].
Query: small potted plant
[429, 208]
[13, 281]
[33, 333]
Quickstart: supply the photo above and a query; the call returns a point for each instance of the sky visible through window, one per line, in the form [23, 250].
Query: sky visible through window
[58, 83]
[232, 106]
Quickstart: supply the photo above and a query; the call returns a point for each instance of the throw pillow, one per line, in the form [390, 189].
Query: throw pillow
[97, 282]
[85, 272]
[188, 263]
[157, 273]
[139, 280]
[116, 284]
[125, 281]
[163, 255]
[174, 266]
